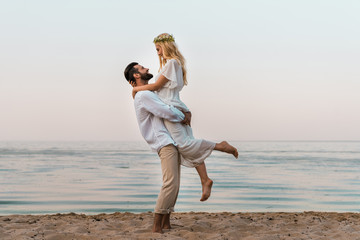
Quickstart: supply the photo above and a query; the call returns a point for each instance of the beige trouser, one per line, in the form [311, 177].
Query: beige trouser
[170, 167]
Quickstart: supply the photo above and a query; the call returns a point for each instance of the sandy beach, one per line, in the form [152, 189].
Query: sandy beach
[192, 225]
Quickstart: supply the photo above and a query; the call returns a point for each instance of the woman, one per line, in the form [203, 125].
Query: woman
[168, 84]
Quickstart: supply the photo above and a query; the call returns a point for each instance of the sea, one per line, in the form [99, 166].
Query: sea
[108, 177]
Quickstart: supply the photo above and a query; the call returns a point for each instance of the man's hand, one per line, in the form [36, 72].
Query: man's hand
[187, 119]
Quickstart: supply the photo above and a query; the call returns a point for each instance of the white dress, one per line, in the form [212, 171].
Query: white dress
[193, 151]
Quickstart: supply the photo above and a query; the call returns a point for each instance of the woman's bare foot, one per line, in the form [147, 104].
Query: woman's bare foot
[226, 147]
[206, 190]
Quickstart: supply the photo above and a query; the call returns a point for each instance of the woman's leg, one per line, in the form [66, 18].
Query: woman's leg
[193, 151]
[206, 182]
[226, 147]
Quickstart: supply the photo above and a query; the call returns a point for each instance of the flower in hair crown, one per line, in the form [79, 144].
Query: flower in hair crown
[164, 38]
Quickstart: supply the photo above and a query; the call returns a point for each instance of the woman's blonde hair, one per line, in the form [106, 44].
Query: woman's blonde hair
[170, 51]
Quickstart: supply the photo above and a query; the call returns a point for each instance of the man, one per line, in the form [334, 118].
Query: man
[150, 111]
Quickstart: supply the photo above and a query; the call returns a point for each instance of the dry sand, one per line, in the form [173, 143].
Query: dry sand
[266, 226]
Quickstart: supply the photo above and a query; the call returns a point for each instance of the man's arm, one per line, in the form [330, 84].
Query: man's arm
[153, 104]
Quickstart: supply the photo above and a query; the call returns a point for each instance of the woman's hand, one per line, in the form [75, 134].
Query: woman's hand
[133, 85]
[134, 91]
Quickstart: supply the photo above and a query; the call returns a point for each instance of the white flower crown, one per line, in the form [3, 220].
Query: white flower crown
[164, 38]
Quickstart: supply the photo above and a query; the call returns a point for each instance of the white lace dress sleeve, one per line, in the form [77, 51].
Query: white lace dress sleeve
[169, 71]
[170, 92]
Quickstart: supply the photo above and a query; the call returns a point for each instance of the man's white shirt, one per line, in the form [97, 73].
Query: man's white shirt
[150, 112]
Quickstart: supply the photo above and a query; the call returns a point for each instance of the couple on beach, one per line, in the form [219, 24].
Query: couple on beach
[164, 122]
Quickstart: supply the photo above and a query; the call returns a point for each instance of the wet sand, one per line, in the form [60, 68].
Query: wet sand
[202, 225]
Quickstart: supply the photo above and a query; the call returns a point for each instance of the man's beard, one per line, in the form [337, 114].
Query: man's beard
[146, 76]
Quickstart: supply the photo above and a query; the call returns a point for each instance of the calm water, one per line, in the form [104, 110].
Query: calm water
[96, 177]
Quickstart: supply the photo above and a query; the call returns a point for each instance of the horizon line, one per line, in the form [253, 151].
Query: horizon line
[144, 140]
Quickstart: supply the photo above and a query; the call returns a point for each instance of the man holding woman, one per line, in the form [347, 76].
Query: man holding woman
[164, 122]
[150, 112]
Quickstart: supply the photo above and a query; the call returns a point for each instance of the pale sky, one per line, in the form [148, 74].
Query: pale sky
[258, 69]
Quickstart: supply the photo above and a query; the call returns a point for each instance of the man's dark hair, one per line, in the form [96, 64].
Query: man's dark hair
[130, 71]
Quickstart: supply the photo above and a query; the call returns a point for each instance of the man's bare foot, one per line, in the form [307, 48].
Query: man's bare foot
[157, 223]
[166, 226]
[206, 190]
[157, 229]
[166, 222]
[226, 147]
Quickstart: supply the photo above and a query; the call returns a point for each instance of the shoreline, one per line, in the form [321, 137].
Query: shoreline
[186, 225]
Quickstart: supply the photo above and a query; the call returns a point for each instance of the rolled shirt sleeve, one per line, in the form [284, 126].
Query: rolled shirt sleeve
[152, 103]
